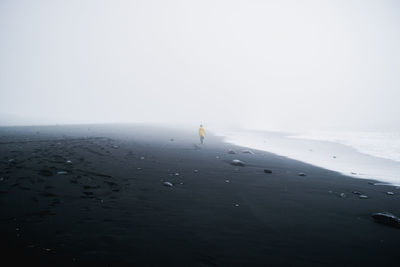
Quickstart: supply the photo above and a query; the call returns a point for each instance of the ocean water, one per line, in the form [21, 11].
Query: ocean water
[379, 144]
[370, 155]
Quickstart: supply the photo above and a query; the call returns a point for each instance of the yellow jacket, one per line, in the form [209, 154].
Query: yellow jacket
[202, 132]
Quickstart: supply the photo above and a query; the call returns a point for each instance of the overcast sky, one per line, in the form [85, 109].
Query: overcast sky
[256, 64]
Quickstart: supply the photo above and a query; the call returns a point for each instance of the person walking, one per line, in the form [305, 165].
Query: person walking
[202, 133]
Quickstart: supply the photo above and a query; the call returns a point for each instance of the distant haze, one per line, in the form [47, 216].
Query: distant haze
[286, 65]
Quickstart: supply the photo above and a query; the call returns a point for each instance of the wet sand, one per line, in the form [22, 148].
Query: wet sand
[95, 195]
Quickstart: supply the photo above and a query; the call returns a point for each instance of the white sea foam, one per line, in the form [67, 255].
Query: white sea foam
[359, 154]
[379, 144]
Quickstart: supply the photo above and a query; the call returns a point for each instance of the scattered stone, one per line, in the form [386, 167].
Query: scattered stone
[386, 218]
[62, 172]
[390, 193]
[385, 184]
[247, 151]
[357, 192]
[363, 196]
[168, 184]
[342, 195]
[267, 171]
[302, 174]
[230, 151]
[237, 162]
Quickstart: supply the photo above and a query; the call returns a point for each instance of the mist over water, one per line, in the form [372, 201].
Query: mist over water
[285, 65]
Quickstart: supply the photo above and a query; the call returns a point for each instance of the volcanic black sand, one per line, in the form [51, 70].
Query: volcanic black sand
[95, 196]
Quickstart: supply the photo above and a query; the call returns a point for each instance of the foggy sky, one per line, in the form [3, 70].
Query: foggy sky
[287, 65]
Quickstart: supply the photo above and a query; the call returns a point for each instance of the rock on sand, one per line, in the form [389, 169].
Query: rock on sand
[169, 184]
[237, 162]
[386, 218]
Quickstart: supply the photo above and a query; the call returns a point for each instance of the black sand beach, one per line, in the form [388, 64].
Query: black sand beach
[94, 195]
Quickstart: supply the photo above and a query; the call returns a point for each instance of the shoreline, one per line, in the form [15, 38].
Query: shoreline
[325, 154]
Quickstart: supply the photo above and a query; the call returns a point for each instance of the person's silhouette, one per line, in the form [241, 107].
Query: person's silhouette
[202, 133]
